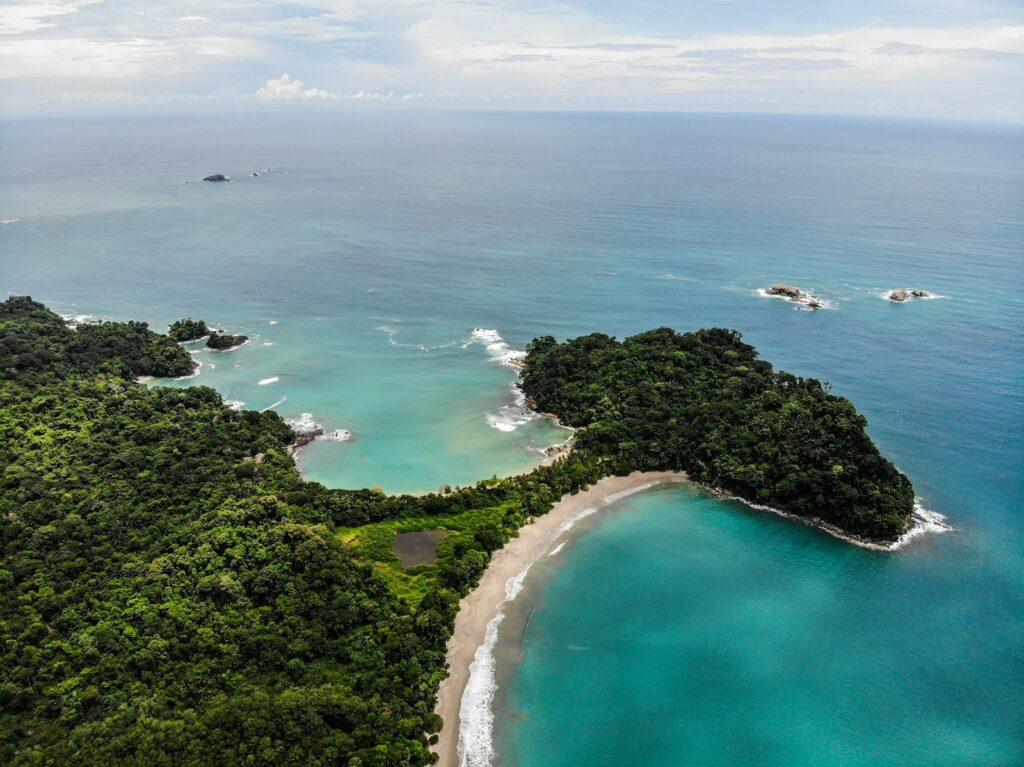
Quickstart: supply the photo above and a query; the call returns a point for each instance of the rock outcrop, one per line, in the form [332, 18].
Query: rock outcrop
[785, 291]
[902, 295]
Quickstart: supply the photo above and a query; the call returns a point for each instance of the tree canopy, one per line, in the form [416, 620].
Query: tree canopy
[704, 403]
[173, 593]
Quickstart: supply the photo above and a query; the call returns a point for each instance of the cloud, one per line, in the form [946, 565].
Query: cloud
[521, 53]
[287, 88]
[18, 18]
[977, 54]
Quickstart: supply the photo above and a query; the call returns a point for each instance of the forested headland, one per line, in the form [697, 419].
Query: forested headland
[704, 403]
[173, 593]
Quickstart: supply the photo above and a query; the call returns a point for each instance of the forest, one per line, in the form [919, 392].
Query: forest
[704, 403]
[174, 593]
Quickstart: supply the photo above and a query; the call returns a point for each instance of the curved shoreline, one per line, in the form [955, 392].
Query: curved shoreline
[480, 611]
[482, 605]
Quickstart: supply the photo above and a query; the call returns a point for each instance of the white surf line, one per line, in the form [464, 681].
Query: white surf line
[922, 521]
[476, 714]
[271, 407]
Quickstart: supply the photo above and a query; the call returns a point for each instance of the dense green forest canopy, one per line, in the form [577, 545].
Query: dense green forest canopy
[704, 403]
[223, 341]
[187, 329]
[173, 593]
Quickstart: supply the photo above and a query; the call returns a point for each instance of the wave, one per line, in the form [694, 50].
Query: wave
[271, 407]
[272, 379]
[557, 549]
[393, 332]
[628, 492]
[196, 369]
[234, 404]
[7, 221]
[510, 417]
[924, 521]
[476, 714]
[678, 277]
[74, 320]
[306, 423]
[497, 348]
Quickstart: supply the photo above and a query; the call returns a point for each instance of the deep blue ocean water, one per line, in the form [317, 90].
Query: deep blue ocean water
[679, 629]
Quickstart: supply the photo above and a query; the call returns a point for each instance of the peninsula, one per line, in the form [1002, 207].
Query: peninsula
[169, 599]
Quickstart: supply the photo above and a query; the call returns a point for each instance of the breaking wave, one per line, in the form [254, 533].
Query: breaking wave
[497, 348]
[510, 417]
[476, 714]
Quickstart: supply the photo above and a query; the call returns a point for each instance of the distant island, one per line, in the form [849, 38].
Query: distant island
[188, 329]
[223, 342]
[173, 592]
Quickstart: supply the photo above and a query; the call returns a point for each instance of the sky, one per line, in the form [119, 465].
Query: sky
[954, 59]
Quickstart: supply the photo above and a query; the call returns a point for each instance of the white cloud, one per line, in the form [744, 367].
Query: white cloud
[18, 18]
[287, 88]
[520, 53]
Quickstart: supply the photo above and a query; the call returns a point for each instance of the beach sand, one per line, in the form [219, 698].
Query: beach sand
[480, 606]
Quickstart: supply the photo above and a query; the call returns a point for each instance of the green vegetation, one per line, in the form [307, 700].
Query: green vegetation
[36, 346]
[704, 403]
[173, 593]
[187, 329]
[222, 341]
[166, 598]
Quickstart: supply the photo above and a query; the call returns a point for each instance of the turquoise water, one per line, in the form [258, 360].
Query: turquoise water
[369, 255]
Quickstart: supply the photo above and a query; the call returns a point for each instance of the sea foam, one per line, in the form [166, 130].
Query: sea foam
[392, 334]
[513, 415]
[802, 303]
[510, 417]
[476, 713]
[923, 521]
[275, 404]
[306, 423]
[272, 379]
[496, 346]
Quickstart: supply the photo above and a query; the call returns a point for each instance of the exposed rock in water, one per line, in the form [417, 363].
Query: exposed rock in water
[303, 438]
[918, 293]
[794, 294]
[786, 291]
[899, 296]
[217, 177]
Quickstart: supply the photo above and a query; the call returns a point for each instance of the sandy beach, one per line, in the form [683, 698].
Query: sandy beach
[478, 608]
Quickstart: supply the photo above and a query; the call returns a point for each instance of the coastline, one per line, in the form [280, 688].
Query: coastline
[479, 609]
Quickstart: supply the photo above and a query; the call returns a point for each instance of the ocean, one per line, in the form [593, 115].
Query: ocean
[387, 264]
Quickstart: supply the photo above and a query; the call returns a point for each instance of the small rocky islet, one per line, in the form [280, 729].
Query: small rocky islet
[810, 301]
[902, 295]
[794, 294]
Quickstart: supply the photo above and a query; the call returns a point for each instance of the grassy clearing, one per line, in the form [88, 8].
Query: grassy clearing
[375, 544]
